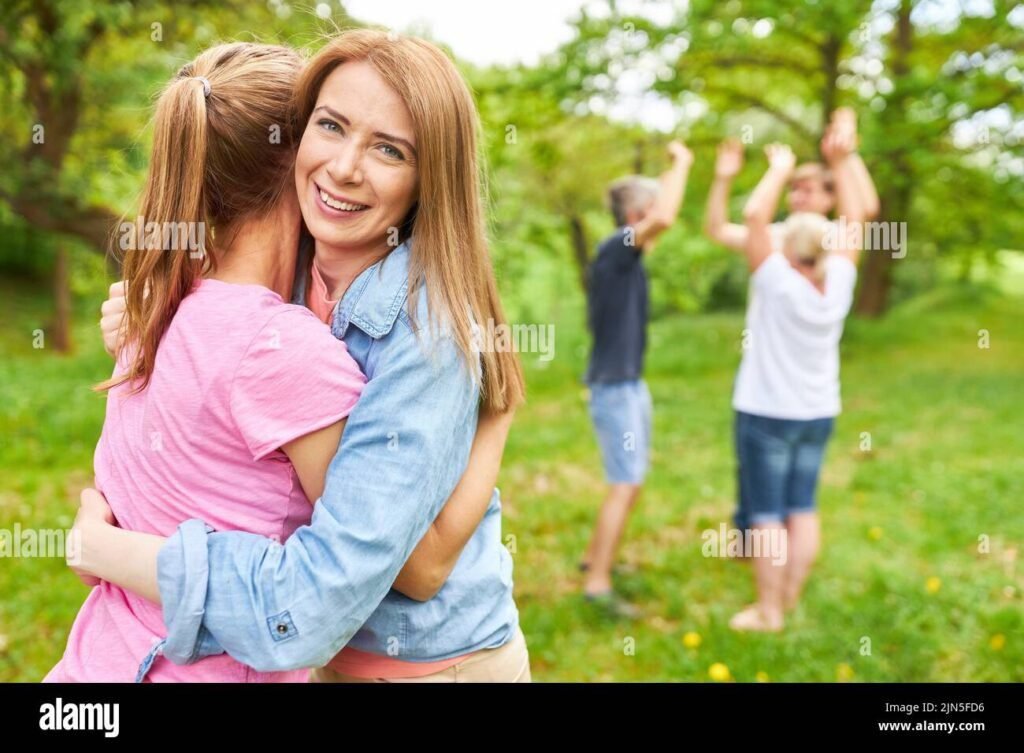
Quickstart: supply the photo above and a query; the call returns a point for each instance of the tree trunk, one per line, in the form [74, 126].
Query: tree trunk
[638, 157]
[580, 248]
[62, 302]
[830, 67]
[876, 271]
[876, 277]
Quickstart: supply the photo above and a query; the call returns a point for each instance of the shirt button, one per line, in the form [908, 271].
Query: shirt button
[282, 628]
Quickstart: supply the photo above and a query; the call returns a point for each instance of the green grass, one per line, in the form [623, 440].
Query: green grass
[947, 467]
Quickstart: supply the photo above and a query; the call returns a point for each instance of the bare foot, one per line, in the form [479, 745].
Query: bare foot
[753, 619]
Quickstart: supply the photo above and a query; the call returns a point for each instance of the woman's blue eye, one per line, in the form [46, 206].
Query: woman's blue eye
[330, 125]
[392, 151]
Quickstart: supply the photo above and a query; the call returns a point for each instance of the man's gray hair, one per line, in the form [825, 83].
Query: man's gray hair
[631, 193]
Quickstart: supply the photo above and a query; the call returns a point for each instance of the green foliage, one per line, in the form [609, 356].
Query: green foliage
[754, 69]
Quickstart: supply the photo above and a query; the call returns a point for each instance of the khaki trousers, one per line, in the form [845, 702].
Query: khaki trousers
[508, 663]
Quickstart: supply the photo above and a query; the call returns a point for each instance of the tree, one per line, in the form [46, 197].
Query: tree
[77, 80]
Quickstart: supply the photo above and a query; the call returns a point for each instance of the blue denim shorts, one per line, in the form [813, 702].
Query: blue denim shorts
[622, 412]
[778, 461]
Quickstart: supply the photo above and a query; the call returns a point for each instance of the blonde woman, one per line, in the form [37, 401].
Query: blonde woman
[388, 184]
[786, 394]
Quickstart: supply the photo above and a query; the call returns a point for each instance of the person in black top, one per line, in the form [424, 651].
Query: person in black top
[620, 404]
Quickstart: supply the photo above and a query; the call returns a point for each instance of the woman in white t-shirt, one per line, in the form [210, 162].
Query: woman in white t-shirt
[787, 389]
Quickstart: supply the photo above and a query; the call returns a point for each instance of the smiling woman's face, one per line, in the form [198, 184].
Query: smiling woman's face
[356, 169]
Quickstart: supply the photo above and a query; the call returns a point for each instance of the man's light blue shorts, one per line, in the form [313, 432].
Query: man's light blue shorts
[622, 412]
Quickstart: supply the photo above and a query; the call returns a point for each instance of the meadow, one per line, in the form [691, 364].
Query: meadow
[918, 580]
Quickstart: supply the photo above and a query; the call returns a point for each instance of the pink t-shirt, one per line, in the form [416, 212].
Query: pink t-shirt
[238, 374]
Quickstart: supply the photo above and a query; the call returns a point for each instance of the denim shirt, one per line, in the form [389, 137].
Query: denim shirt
[289, 606]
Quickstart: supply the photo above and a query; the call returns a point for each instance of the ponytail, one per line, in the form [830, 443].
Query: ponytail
[199, 180]
[160, 269]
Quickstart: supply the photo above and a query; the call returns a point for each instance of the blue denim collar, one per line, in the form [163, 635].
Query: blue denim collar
[375, 298]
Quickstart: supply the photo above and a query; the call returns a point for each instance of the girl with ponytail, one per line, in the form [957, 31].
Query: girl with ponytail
[223, 150]
[195, 409]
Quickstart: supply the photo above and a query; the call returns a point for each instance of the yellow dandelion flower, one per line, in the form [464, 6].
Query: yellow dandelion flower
[719, 672]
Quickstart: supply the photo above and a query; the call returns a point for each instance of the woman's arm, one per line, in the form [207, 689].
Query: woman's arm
[761, 205]
[842, 138]
[101, 550]
[716, 219]
[870, 204]
[836, 147]
[849, 243]
[432, 561]
[438, 551]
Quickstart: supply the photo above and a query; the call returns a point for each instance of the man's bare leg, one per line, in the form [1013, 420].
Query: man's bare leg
[611, 522]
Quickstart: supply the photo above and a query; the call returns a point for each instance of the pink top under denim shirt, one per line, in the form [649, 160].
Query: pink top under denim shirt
[238, 374]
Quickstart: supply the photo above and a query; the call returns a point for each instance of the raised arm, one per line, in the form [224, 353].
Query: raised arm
[717, 227]
[764, 201]
[671, 192]
[844, 124]
[865, 186]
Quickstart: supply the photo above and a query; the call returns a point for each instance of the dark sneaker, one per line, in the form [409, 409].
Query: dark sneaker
[620, 569]
[613, 605]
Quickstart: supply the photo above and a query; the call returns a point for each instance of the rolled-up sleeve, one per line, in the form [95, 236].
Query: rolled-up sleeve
[294, 605]
[183, 575]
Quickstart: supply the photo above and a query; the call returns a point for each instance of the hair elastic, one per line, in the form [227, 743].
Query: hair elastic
[206, 84]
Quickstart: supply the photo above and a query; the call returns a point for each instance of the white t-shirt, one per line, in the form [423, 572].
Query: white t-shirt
[790, 365]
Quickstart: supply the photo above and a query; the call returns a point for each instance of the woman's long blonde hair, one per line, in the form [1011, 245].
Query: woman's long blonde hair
[447, 228]
[224, 140]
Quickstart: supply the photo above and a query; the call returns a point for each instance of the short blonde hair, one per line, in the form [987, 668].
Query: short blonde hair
[805, 238]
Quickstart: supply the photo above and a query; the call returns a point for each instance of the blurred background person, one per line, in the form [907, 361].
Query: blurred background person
[620, 403]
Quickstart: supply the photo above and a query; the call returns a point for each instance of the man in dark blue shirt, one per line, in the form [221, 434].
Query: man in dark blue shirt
[620, 403]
